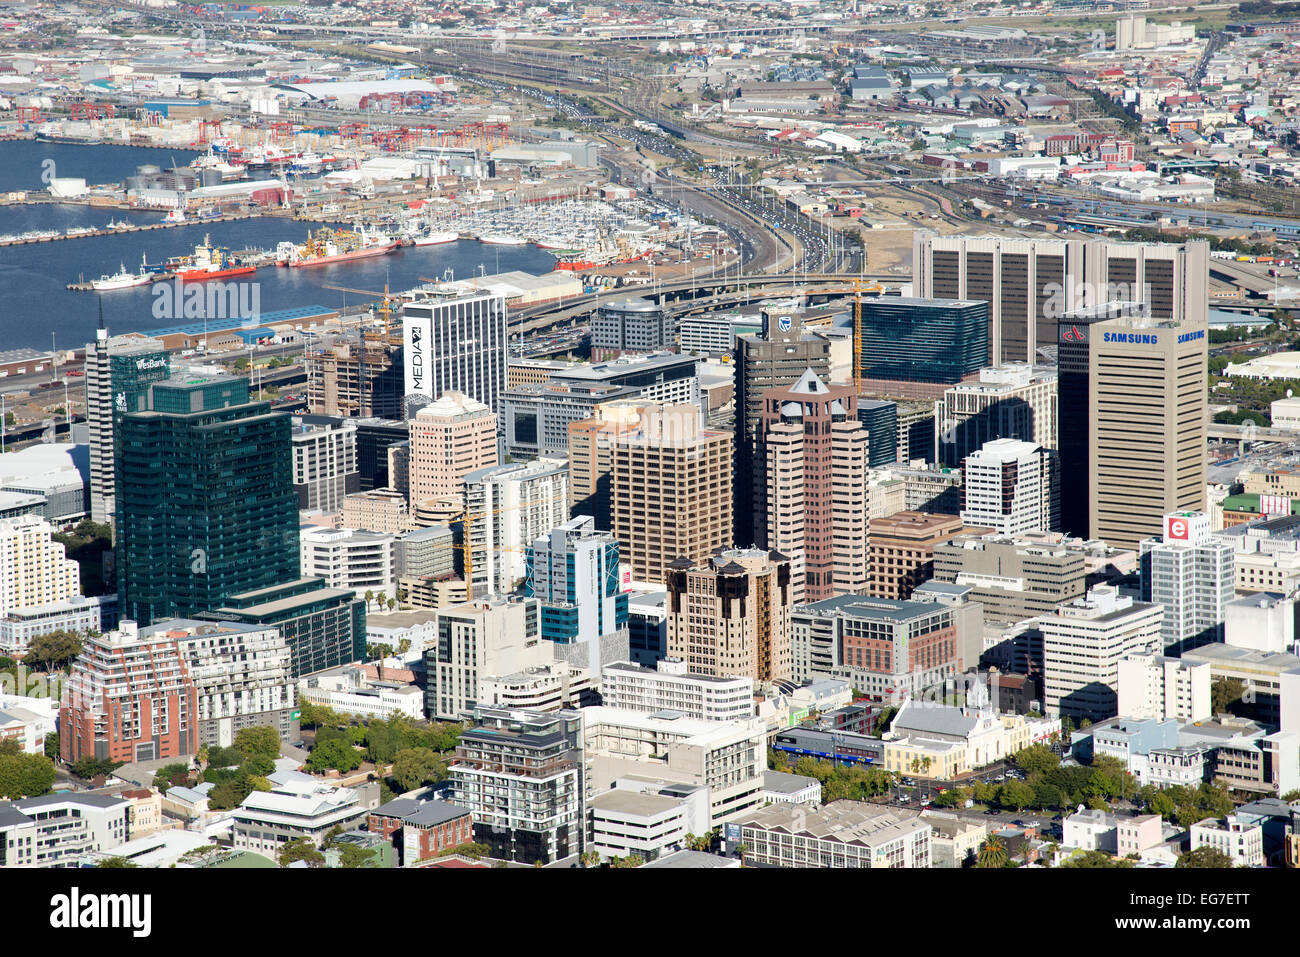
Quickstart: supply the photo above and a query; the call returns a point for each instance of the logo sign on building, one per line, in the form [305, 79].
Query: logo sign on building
[1175, 528]
[1073, 333]
[783, 323]
[1275, 505]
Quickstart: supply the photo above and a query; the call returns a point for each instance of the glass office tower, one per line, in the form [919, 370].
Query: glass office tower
[205, 500]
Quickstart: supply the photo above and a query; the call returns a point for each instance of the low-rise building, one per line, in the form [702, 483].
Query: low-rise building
[842, 834]
[646, 819]
[953, 840]
[56, 829]
[1242, 842]
[668, 685]
[555, 686]
[297, 806]
[349, 690]
[1091, 830]
[782, 788]
[421, 830]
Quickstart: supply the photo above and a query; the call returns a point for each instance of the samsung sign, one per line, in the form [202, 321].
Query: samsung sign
[1147, 338]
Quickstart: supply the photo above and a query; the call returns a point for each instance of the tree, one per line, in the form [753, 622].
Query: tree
[333, 754]
[992, 853]
[219, 757]
[1036, 759]
[52, 745]
[55, 650]
[259, 765]
[1097, 859]
[116, 862]
[262, 740]
[86, 545]
[1291, 796]
[301, 849]
[1204, 857]
[1224, 693]
[1016, 794]
[25, 775]
[171, 775]
[414, 767]
[93, 767]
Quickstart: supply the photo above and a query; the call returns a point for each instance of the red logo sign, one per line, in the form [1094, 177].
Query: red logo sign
[1074, 335]
[1177, 528]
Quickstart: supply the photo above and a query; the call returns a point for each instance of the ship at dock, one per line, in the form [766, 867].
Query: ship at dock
[208, 262]
[122, 279]
[326, 245]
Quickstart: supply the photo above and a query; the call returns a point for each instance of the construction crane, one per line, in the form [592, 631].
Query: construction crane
[384, 310]
[466, 548]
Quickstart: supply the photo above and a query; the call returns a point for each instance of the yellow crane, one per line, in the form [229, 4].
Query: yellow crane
[384, 310]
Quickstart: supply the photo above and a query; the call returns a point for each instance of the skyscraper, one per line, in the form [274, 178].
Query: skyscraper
[631, 325]
[812, 451]
[729, 616]
[1031, 283]
[454, 342]
[913, 347]
[119, 371]
[1012, 488]
[205, 502]
[450, 438]
[777, 356]
[1191, 573]
[507, 507]
[1132, 419]
[669, 489]
[574, 571]
[324, 461]
[1008, 402]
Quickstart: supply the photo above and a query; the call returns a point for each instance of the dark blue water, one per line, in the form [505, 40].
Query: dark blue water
[34, 301]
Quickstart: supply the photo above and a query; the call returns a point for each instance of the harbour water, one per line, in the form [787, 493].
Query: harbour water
[34, 301]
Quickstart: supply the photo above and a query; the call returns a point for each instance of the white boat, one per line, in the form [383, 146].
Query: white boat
[122, 279]
[502, 239]
[436, 237]
[176, 215]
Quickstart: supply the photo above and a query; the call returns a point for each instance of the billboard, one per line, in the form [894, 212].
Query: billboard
[1274, 505]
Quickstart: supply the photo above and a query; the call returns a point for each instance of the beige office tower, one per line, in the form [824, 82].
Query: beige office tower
[729, 616]
[1030, 284]
[814, 502]
[450, 438]
[1146, 425]
[662, 480]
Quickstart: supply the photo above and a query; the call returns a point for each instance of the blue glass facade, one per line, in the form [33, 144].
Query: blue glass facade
[574, 572]
[205, 501]
[924, 340]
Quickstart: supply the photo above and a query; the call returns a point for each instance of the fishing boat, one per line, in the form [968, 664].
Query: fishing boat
[122, 279]
[502, 239]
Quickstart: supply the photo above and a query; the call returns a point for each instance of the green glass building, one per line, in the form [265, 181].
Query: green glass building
[205, 502]
[923, 340]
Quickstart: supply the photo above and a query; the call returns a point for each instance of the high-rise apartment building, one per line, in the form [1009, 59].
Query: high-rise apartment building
[1012, 487]
[242, 674]
[450, 438]
[119, 371]
[324, 462]
[480, 639]
[813, 504]
[520, 774]
[34, 569]
[573, 570]
[129, 698]
[1030, 284]
[1190, 573]
[730, 616]
[454, 342]
[1008, 402]
[776, 357]
[1132, 423]
[902, 550]
[1083, 644]
[507, 508]
[205, 501]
